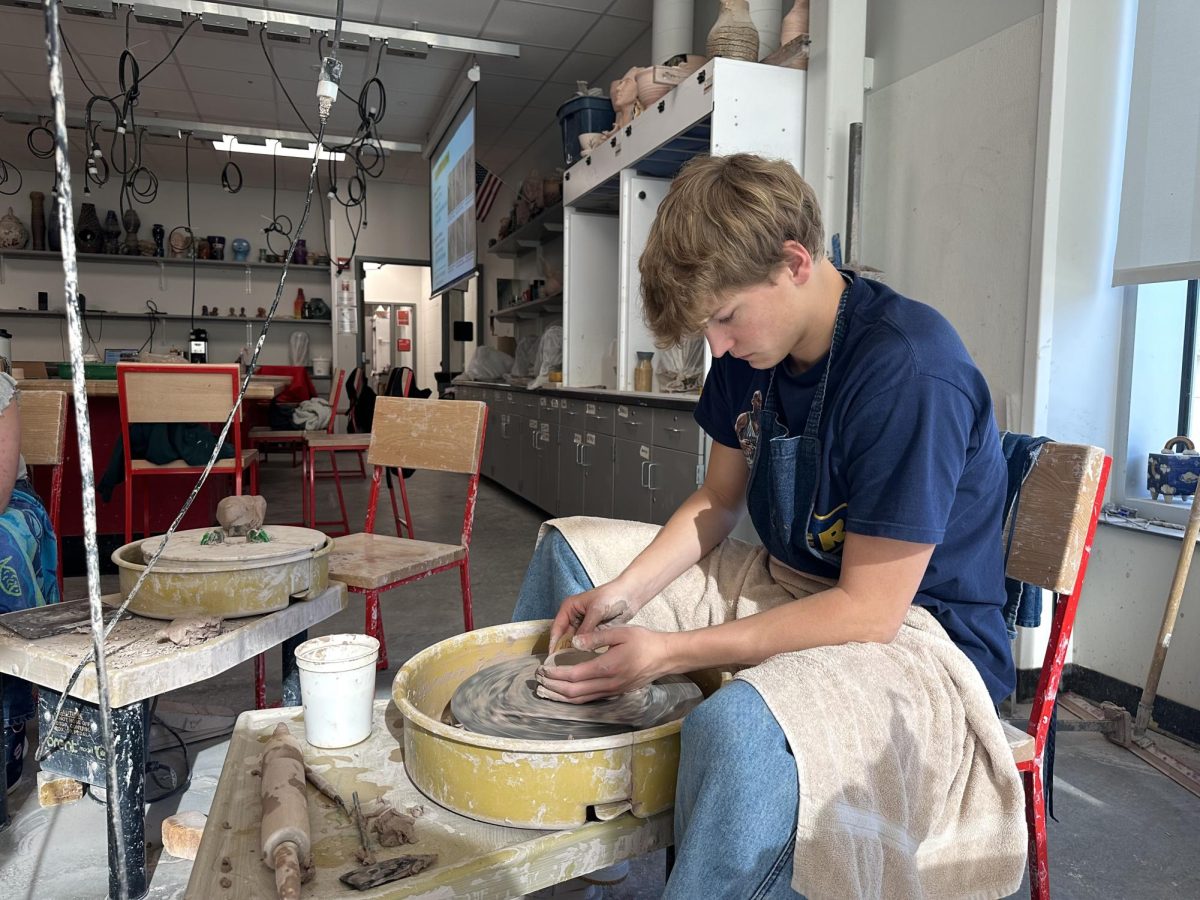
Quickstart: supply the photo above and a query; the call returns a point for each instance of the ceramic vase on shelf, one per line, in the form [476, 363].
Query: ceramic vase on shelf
[217, 243]
[89, 237]
[13, 233]
[53, 235]
[132, 222]
[112, 234]
[37, 219]
[159, 232]
[241, 249]
[795, 23]
[733, 35]
[300, 254]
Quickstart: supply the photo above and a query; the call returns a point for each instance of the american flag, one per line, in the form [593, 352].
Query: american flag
[487, 186]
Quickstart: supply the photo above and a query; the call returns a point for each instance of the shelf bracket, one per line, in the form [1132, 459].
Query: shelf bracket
[249, 286]
[162, 276]
[3, 269]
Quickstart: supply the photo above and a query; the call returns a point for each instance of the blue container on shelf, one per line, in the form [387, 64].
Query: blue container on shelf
[583, 115]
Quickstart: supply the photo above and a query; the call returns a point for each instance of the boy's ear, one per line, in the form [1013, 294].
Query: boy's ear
[798, 260]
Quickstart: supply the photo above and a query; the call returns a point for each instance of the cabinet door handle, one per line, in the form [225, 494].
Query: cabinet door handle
[674, 430]
[631, 423]
[578, 454]
[533, 439]
[504, 427]
[645, 462]
[650, 467]
[582, 458]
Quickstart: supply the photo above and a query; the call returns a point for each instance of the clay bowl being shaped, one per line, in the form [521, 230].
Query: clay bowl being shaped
[548, 784]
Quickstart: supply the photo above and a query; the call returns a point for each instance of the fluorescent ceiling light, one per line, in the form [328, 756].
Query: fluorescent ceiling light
[158, 15]
[102, 9]
[272, 147]
[224, 24]
[411, 49]
[284, 31]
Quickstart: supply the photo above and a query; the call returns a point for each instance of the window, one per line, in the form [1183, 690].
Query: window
[1161, 388]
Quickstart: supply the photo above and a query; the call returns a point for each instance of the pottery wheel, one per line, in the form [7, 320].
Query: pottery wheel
[501, 700]
[184, 552]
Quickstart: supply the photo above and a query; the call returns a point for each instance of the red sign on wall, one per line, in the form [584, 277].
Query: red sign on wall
[402, 317]
[403, 345]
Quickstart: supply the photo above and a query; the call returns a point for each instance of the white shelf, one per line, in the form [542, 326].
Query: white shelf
[104, 314]
[201, 264]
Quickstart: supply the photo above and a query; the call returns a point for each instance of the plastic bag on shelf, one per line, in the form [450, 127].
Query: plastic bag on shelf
[549, 356]
[488, 364]
[525, 362]
[680, 368]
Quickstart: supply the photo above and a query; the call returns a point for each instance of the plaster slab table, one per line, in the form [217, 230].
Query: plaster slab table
[475, 860]
[139, 669]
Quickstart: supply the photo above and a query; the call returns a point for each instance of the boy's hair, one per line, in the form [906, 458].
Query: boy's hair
[721, 228]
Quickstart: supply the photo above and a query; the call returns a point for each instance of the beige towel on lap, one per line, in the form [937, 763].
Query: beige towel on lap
[907, 785]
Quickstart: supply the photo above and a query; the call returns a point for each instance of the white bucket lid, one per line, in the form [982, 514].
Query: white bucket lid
[337, 652]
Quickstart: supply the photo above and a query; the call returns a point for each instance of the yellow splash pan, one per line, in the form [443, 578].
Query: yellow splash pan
[229, 587]
[517, 782]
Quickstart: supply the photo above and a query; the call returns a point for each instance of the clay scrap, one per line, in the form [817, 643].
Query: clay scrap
[389, 870]
[391, 827]
[190, 631]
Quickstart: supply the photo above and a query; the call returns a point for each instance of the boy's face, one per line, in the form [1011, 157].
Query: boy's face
[756, 324]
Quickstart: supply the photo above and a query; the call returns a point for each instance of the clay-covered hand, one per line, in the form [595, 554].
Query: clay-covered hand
[601, 607]
[635, 657]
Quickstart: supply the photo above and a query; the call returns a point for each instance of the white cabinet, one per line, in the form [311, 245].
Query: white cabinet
[611, 197]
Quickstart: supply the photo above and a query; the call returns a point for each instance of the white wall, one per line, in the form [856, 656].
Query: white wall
[126, 288]
[948, 174]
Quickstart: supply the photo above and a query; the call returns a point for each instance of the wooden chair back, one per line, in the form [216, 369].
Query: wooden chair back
[203, 392]
[1054, 515]
[443, 435]
[43, 426]
[1052, 539]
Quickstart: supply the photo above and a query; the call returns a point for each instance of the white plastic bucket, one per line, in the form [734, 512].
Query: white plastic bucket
[337, 682]
[320, 365]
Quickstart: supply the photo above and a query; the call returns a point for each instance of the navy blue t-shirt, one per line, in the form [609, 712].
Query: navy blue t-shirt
[909, 451]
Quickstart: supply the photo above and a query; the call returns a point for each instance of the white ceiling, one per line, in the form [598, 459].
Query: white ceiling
[225, 79]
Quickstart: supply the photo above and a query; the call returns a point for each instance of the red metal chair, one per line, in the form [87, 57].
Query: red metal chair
[43, 430]
[440, 435]
[265, 439]
[198, 393]
[1051, 545]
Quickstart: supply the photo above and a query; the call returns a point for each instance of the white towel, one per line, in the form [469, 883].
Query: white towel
[312, 415]
[907, 784]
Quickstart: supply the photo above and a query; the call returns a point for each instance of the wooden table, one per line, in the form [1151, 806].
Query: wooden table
[261, 387]
[475, 859]
[139, 669]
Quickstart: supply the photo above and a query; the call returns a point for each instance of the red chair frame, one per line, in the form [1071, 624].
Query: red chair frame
[33, 458]
[234, 374]
[1043, 706]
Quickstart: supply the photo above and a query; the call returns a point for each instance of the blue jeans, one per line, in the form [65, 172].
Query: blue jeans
[737, 794]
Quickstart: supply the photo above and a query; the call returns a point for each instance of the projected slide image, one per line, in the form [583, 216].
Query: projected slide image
[452, 202]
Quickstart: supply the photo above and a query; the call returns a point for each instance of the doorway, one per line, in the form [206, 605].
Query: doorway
[401, 324]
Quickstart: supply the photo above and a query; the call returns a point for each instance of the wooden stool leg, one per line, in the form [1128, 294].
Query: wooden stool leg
[407, 513]
[260, 681]
[464, 575]
[1035, 815]
[374, 628]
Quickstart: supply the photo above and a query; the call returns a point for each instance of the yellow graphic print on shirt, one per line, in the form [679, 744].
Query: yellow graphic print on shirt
[829, 528]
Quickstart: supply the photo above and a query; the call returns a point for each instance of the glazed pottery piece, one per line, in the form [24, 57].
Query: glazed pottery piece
[203, 249]
[159, 233]
[89, 237]
[241, 249]
[37, 219]
[180, 241]
[132, 222]
[733, 35]
[13, 233]
[216, 243]
[300, 254]
[53, 235]
[1172, 474]
[112, 234]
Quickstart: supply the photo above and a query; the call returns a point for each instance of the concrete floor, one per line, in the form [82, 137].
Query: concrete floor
[1124, 830]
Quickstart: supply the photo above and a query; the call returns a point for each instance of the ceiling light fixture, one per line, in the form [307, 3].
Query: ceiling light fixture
[285, 31]
[411, 49]
[96, 9]
[158, 15]
[224, 24]
[350, 41]
[272, 147]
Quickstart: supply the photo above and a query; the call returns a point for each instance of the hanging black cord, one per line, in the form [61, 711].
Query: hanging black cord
[7, 171]
[277, 219]
[171, 52]
[187, 176]
[262, 41]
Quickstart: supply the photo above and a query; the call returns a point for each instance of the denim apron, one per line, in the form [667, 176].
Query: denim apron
[784, 477]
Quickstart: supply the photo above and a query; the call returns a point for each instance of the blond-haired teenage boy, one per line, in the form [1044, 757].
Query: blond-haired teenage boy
[853, 426]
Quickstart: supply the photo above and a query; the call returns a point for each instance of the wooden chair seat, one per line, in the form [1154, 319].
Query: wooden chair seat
[320, 441]
[222, 465]
[274, 434]
[372, 561]
[1020, 743]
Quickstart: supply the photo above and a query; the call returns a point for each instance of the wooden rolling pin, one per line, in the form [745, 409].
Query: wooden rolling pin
[285, 841]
